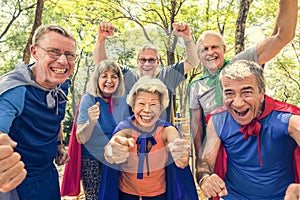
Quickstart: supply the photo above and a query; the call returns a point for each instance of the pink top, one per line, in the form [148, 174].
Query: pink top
[155, 183]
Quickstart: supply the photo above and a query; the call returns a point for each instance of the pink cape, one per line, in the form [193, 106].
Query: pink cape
[71, 179]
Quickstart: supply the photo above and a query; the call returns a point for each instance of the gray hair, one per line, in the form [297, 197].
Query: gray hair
[104, 66]
[148, 47]
[150, 85]
[41, 30]
[241, 69]
[208, 33]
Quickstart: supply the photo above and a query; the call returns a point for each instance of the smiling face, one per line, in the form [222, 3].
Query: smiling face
[147, 62]
[211, 53]
[243, 98]
[49, 72]
[108, 82]
[147, 109]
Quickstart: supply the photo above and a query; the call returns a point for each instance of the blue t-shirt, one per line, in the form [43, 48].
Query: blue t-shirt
[94, 147]
[245, 178]
[27, 119]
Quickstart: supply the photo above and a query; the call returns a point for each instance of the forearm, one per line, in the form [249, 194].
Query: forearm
[191, 60]
[100, 50]
[286, 20]
[84, 132]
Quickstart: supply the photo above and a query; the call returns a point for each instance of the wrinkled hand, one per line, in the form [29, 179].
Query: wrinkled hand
[12, 171]
[180, 151]
[105, 29]
[94, 113]
[213, 186]
[117, 150]
[292, 192]
[62, 156]
[182, 29]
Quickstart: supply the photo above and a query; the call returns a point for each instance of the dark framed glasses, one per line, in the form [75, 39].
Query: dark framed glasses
[55, 54]
[149, 60]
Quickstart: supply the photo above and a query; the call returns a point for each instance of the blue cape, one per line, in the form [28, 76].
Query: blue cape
[180, 182]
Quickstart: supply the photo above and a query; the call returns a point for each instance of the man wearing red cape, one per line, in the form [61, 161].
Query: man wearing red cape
[252, 146]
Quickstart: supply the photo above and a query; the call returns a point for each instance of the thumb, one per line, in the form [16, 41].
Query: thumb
[97, 104]
[131, 142]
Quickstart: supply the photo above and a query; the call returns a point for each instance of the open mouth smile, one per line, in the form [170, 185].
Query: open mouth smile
[58, 70]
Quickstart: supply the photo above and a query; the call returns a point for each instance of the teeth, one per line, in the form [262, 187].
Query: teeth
[210, 59]
[59, 70]
[146, 118]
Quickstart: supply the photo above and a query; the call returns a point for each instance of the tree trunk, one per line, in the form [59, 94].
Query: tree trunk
[240, 25]
[36, 24]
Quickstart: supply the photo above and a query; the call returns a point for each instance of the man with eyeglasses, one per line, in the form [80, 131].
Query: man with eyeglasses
[32, 106]
[148, 60]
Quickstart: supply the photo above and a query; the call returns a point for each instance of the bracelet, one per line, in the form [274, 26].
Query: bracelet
[203, 179]
[59, 142]
[188, 42]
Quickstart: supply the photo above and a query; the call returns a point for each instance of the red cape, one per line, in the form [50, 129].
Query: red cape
[270, 105]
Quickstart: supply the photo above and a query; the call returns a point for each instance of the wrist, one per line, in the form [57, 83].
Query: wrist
[187, 43]
[61, 142]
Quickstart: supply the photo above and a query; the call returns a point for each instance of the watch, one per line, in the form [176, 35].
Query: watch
[59, 142]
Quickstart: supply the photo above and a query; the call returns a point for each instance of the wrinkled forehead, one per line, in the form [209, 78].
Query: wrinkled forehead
[210, 40]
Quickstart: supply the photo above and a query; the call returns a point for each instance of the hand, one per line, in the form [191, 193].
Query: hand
[105, 29]
[292, 192]
[182, 29]
[213, 186]
[94, 113]
[62, 156]
[117, 150]
[12, 171]
[180, 151]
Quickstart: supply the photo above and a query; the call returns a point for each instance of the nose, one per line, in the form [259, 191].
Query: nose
[238, 101]
[210, 50]
[62, 59]
[147, 108]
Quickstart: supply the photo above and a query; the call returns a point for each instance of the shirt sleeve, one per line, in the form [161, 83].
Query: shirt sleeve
[193, 96]
[248, 54]
[11, 106]
[86, 102]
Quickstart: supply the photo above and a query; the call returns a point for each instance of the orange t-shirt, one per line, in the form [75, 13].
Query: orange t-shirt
[155, 183]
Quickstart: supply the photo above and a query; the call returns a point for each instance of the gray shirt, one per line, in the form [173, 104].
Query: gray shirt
[202, 95]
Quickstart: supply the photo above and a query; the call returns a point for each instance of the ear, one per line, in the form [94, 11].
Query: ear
[33, 52]
[224, 48]
[263, 95]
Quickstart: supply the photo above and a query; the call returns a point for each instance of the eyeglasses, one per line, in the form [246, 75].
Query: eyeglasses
[55, 54]
[150, 60]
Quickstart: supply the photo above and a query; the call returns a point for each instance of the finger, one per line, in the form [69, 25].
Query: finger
[5, 139]
[123, 140]
[9, 161]
[18, 175]
[223, 192]
[11, 172]
[6, 151]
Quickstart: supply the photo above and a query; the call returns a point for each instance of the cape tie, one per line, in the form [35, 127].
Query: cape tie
[143, 151]
[213, 80]
[54, 97]
[110, 103]
[253, 129]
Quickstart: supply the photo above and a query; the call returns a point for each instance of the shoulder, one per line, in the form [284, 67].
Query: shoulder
[14, 98]
[16, 93]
